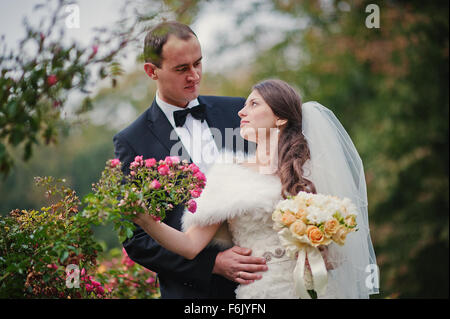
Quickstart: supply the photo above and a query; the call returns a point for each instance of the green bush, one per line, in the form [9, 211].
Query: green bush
[37, 246]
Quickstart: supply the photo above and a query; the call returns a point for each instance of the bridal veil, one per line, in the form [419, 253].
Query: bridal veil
[335, 168]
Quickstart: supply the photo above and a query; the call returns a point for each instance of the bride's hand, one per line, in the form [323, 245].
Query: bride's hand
[142, 219]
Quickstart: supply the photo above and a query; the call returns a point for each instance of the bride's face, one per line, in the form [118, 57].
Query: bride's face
[257, 118]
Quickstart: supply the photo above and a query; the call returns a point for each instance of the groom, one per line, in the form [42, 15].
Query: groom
[181, 120]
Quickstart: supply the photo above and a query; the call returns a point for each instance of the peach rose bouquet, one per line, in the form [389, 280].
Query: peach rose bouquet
[306, 221]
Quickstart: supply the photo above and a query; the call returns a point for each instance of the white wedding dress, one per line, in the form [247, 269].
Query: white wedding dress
[243, 200]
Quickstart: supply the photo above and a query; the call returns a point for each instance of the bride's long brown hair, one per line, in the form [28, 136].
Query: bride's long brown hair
[293, 149]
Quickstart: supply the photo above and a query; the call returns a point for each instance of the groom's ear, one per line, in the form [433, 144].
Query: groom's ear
[150, 69]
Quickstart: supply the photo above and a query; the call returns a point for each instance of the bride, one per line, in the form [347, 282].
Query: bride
[300, 147]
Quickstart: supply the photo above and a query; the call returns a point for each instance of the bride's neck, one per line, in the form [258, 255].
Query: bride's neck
[266, 160]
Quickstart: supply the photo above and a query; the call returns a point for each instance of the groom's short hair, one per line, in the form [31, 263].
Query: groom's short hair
[157, 37]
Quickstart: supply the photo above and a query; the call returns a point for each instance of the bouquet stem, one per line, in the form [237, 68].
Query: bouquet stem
[313, 294]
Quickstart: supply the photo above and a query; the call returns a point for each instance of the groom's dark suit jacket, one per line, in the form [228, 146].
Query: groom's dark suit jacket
[149, 135]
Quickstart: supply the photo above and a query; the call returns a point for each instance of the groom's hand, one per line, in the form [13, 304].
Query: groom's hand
[237, 265]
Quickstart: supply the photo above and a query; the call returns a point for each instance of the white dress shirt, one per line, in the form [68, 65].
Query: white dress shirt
[194, 134]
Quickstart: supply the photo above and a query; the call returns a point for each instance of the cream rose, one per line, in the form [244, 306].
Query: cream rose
[350, 220]
[315, 235]
[340, 235]
[298, 228]
[276, 216]
[301, 214]
[288, 218]
[331, 226]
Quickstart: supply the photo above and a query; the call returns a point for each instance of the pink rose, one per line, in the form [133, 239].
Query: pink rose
[52, 79]
[89, 287]
[194, 168]
[192, 206]
[139, 159]
[99, 290]
[195, 193]
[150, 162]
[115, 162]
[156, 218]
[170, 160]
[150, 280]
[128, 262]
[134, 164]
[155, 184]
[163, 169]
[52, 266]
[200, 176]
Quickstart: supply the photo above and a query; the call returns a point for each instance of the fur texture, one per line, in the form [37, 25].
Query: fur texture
[232, 190]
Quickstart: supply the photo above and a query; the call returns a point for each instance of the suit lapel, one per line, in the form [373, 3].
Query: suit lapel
[163, 130]
[215, 119]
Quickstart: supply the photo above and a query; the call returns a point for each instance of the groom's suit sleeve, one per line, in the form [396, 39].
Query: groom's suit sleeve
[141, 248]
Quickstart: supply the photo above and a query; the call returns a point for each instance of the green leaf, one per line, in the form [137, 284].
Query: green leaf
[17, 136]
[72, 248]
[129, 232]
[28, 151]
[46, 277]
[64, 255]
[11, 108]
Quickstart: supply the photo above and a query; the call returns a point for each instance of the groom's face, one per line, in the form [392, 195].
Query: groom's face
[178, 78]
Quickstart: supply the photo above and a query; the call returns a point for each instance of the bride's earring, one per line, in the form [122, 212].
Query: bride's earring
[278, 130]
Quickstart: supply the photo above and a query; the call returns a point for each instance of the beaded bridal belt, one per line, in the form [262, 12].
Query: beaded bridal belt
[278, 255]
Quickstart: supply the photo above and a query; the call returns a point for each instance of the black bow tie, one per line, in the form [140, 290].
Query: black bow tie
[198, 112]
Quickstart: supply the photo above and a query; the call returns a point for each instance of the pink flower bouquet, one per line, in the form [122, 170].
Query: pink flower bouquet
[152, 187]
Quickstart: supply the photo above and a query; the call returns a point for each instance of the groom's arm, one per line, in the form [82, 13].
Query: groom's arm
[142, 249]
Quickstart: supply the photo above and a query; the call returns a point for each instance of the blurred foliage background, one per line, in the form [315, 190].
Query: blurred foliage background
[387, 85]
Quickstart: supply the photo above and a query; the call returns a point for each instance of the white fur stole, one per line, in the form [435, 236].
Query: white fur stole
[232, 189]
